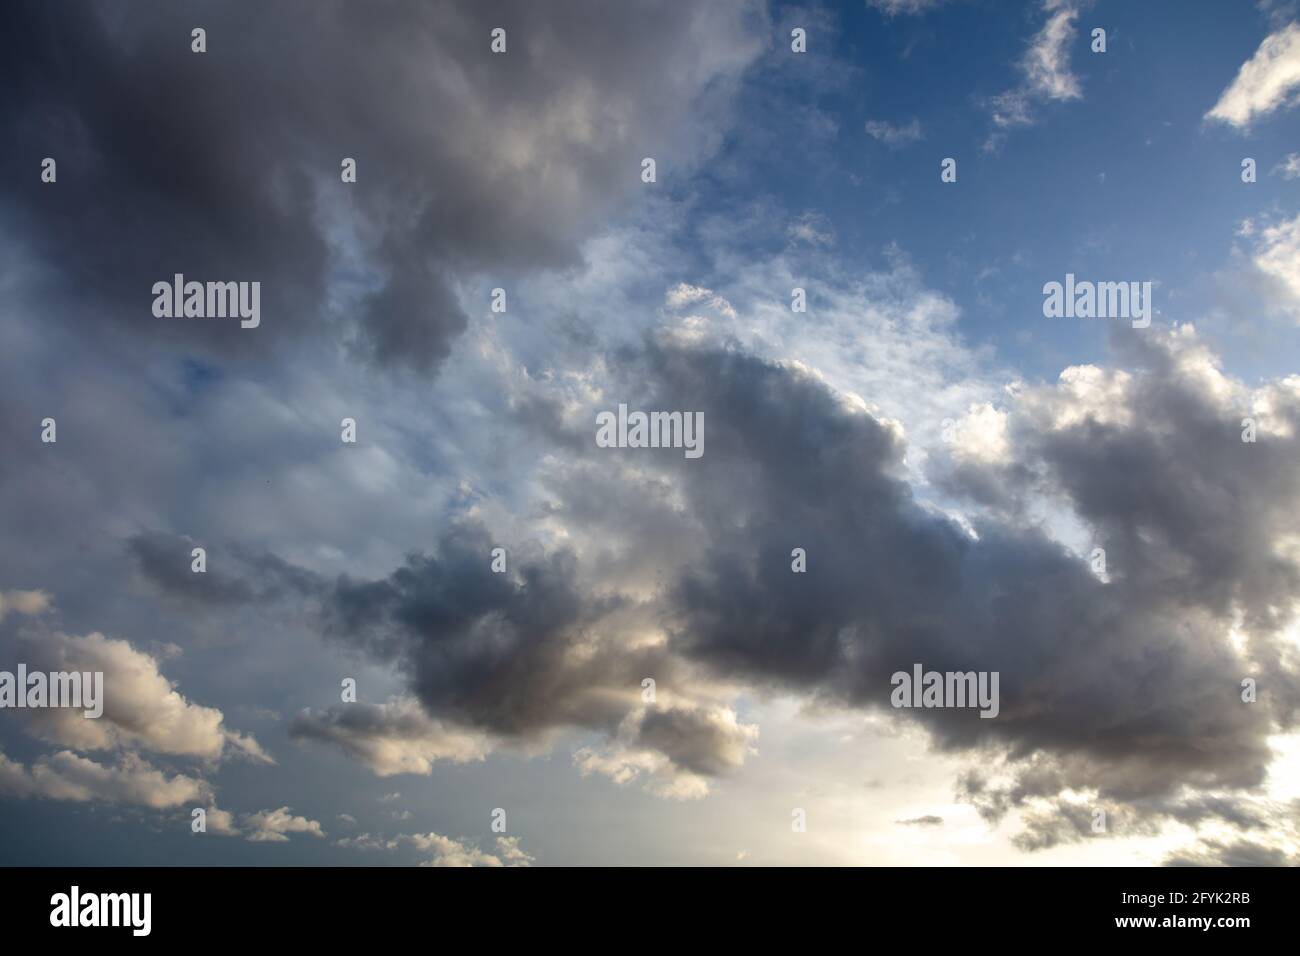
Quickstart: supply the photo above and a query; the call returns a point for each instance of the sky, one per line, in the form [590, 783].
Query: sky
[1103, 513]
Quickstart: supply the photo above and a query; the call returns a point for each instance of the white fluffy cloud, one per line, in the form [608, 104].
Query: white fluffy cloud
[1277, 255]
[1265, 82]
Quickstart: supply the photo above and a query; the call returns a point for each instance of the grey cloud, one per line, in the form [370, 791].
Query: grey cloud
[696, 739]
[1236, 812]
[486, 649]
[390, 738]
[235, 574]
[507, 659]
[1238, 853]
[1064, 821]
[225, 165]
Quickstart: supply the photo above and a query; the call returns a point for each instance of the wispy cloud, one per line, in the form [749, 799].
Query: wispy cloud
[894, 135]
[893, 8]
[1047, 75]
[1289, 168]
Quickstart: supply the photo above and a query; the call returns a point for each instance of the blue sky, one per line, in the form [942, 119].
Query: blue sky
[1100, 185]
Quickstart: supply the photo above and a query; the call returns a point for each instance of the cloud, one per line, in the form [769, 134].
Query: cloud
[1047, 61]
[812, 229]
[1289, 167]
[1129, 687]
[929, 820]
[1257, 833]
[142, 709]
[1265, 82]
[68, 776]
[448, 852]
[462, 633]
[267, 826]
[1239, 853]
[684, 295]
[27, 603]
[377, 264]
[893, 8]
[273, 826]
[234, 576]
[1276, 254]
[391, 738]
[364, 841]
[1045, 68]
[675, 750]
[445, 851]
[1207, 559]
[895, 135]
[220, 821]
[710, 742]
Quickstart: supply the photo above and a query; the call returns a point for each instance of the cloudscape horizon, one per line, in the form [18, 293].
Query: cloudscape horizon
[648, 433]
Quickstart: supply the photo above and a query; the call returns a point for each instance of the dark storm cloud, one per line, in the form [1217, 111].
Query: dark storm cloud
[485, 649]
[1097, 675]
[225, 165]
